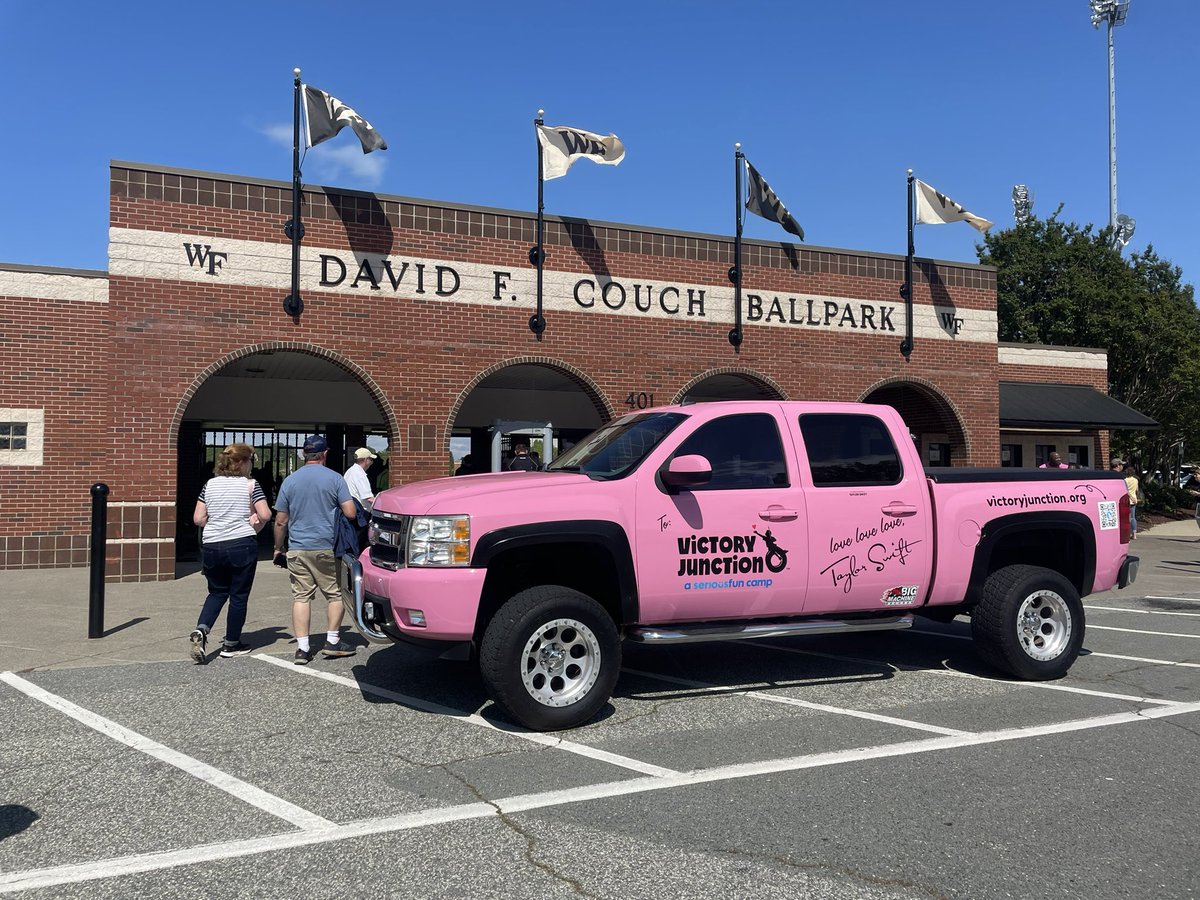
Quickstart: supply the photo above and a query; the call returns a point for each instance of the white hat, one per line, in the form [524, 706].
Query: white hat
[364, 452]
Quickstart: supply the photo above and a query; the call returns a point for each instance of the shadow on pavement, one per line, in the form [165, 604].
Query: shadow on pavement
[125, 625]
[15, 818]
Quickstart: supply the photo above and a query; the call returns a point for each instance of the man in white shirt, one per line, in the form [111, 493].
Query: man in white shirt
[356, 477]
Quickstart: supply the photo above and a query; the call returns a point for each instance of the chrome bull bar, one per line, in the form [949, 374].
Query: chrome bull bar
[353, 588]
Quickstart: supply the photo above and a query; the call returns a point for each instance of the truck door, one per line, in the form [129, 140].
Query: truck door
[868, 514]
[733, 548]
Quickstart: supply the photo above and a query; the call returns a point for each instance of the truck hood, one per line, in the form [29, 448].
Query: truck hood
[465, 493]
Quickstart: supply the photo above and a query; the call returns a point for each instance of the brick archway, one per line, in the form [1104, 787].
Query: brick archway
[365, 380]
[926, 410]
[762, 382]
[591, 390]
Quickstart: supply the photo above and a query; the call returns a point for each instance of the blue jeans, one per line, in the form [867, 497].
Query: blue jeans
[229, 567]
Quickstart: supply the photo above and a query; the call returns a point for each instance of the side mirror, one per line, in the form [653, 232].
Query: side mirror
[685, 472]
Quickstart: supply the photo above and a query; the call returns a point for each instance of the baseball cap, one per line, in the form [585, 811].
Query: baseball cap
[315, 443]
[364, 452]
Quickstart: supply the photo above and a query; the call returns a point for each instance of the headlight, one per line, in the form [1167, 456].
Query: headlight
[440, 541]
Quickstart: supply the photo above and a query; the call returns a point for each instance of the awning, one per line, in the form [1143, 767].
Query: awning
[1030, 405]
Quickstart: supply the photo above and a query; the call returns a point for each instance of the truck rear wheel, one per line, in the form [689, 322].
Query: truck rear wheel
[550, 657]
[1029, 622]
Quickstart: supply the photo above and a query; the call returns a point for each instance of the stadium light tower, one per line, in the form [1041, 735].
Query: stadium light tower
[1022, 204]
[1113, 13]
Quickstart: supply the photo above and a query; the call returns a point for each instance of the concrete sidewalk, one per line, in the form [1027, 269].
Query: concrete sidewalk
[44, 612]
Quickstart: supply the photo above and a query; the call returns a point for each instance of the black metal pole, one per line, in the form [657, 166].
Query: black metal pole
[99, 548]
[537, 322]
[735, 273]
[906, 291]
[294, 229]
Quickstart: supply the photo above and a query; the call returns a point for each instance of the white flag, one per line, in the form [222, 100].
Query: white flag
[938, 209]
[325, 116]
[561, 146]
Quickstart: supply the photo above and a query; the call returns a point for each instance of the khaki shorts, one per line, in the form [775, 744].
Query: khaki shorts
[311, 571]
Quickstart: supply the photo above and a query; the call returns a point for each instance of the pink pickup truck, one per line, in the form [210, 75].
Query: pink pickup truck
[719, 521]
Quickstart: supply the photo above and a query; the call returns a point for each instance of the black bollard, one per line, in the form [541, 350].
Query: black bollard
[99, 545]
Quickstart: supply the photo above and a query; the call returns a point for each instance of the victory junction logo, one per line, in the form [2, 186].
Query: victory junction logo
[739, 554]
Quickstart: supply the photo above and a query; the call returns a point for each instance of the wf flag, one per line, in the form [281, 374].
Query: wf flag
[763, 201]
[325, 116]
[934, 208]
[561, 146]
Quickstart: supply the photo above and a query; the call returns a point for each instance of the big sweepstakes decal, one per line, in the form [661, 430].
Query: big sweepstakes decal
[730, 554]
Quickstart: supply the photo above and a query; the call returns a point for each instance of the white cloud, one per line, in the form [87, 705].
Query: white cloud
[341, 157]
[346, 158]
[278, 134]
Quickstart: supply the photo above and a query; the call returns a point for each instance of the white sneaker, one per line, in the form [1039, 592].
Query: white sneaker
[199, 644]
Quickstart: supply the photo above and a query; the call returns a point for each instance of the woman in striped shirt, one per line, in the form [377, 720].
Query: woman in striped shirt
[231, 509]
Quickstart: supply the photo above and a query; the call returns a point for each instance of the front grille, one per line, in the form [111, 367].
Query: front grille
[389, 534]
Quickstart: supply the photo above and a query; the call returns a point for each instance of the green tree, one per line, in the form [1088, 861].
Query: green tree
[1063, 284]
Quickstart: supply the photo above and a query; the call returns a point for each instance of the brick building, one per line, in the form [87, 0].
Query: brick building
[414, 337]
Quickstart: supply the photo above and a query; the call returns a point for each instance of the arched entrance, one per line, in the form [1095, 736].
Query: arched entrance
[729, 384]
[546, 405]
[272, 398]
[934, 423]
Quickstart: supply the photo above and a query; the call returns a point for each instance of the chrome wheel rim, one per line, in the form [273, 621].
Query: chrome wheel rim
[560, 662]
[1044, 625]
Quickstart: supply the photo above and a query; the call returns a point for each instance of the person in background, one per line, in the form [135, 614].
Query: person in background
[356, 477]
[1055, 462]
[1132, 486]
[360, 490]
[521, 461]
[310, 499]
[231, 509]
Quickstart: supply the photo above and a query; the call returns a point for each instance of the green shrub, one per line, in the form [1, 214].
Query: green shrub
[1166, 498]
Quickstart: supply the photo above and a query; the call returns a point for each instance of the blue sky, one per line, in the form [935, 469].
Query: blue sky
[831, 101]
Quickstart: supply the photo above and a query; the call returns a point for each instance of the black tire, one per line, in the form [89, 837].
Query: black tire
[550, 657]
[1029, 623]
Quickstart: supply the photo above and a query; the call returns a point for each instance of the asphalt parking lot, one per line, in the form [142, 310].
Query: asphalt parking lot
[870, 765]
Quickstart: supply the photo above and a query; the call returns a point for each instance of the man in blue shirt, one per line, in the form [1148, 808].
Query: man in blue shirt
[309, 502]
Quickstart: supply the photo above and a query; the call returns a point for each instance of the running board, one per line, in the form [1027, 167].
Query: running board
[688, 633]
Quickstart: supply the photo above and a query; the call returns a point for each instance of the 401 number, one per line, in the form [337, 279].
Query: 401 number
[639, 400]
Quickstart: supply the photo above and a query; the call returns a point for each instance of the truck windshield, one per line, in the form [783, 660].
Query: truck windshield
[619, 447]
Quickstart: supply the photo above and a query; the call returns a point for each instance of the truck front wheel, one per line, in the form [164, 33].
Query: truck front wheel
[1029, 622]
[550, 657]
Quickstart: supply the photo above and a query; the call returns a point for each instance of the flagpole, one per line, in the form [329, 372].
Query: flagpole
[735, 273]
[292, 304]
[906, 291]
[537, 322]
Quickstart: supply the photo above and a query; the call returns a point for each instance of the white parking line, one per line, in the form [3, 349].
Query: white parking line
[545, 740]
[149, 862]
[1157, 662]
[1161, 662]
[1046, 685]
[1186, 599]
[1137, 631]
[243, 791]
[793, 701]
[1141, 612]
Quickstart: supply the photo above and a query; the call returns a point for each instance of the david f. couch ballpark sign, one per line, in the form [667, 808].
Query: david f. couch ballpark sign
[180, 257]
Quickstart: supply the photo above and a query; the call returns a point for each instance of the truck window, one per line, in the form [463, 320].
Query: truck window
[845, 449]
[619, 447]
[745, 451]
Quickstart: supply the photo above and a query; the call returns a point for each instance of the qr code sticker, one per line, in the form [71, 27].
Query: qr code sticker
[1108, 514]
